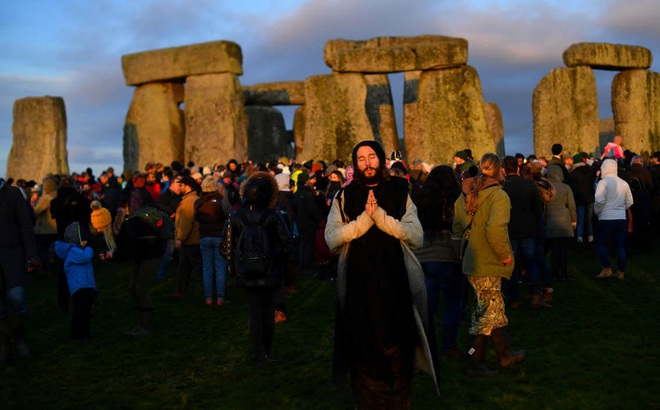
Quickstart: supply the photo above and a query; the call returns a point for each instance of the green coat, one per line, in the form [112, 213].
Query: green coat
[489, 241]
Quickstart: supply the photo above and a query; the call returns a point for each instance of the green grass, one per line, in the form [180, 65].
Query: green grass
[596, 349]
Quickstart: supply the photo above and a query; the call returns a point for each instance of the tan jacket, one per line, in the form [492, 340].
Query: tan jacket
[186, 227]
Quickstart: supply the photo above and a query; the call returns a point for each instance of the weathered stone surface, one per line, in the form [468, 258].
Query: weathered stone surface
[606, 56]
[636, 109]
[177, 63]
[299, 130]
[39, 144]
[281, 93]
[392, 54]
[267, 137]
[216, 125]
[496, 126]
[335, 116]
[154, 129]
[565, 109]
[380, 110]
[449, 116]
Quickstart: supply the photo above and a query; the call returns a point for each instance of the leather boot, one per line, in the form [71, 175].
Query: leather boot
[504, 352]
[20, 334]
[605, 273]
[539, 303]
[477, 356]
[4, 342]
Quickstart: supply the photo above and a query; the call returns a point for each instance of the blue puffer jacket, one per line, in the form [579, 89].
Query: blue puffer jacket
[77, 265]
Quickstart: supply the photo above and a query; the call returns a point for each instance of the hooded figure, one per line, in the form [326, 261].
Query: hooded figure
[258, 217]
[613, 197]
[382, 328]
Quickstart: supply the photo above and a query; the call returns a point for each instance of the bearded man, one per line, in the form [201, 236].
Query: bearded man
[382, 324]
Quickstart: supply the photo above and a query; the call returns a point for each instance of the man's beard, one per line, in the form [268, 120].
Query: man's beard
[371, 180]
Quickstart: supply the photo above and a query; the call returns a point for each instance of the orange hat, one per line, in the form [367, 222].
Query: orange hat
[100, 216]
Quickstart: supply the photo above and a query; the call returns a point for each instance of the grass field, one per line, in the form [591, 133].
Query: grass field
[596, 349]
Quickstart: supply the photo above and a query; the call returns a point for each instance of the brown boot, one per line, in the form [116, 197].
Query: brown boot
[621, 275]
[538, 302]
[504, 352]
[605, 273]
[477, 356]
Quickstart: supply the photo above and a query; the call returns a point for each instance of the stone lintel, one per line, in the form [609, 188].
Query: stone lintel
[177, 63]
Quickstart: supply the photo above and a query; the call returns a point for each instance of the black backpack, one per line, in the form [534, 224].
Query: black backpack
[253, 251]
[157, 220]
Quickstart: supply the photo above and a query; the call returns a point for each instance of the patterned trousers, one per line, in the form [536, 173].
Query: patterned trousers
[489, 313]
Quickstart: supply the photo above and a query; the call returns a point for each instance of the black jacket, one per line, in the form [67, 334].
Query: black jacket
[137, 241]
[526, 206]
[309, 210]
[582, 184]
[168, 202]
[278, 237]
[69, 206]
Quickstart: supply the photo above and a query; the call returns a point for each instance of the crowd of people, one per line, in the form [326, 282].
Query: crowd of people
[393, 235]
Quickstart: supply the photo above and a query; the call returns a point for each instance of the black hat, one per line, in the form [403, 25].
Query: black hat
[373, 145]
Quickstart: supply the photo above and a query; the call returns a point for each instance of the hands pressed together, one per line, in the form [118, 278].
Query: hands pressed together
[371, 204]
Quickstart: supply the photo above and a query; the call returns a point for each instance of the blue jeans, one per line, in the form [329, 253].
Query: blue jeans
[524, 249]
[584, 227]
[448, 278]
[613, 232]
[13, 301]
[214, 266]
[167, 256]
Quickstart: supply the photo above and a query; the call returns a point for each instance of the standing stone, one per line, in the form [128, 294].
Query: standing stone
[299, 131]
[496, 127]
[216, 125]
[280, 93]
[392, 54]
[154, 129]
[607, 56]
[267, 137]
[450, 116]
[411, 123]
[39, 144]
[380, 110]
[565, 109]
[335, 116]
[177, 63]
[636, 109]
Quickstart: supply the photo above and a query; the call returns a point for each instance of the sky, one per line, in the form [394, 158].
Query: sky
[73, 49]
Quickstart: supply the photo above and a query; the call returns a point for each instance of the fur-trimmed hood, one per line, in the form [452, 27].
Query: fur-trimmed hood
[260, 189]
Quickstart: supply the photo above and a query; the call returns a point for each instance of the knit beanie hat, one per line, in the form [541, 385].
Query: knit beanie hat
[209, 185]
[303, 177]
[74, 233]
[100, 216]
[462, 155]
[373, 145]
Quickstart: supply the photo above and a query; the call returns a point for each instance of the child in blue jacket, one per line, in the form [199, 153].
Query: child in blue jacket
[80, 276]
